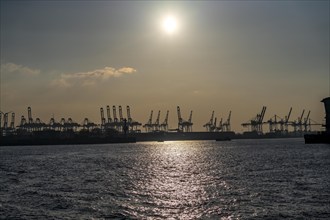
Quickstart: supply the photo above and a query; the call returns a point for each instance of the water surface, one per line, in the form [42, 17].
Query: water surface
[240, 179]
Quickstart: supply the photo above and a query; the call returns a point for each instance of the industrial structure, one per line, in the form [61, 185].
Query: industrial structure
[276, 123]
[115, 124]
[255, 124]
[156, 126]
[183, 125]
[112, 120]
[323, 136]
[211, 125]
[280, 125]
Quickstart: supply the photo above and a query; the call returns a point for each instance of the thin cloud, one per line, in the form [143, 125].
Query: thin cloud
[91, 77]
[12, 68]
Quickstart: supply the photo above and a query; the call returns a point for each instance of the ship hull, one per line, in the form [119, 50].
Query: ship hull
[321, 138]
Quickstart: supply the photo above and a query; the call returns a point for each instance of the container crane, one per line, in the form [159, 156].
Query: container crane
[284, 124]
[226, 124]
[1, 122]
[102, 119]
[148, 125]
[220, 127]
[109, 122]
[214, 125]
[108, 114]
[12, 123]
[300, 123]
[209, 124]
[190, 124]
[71, 125]
[5, 121]
[130, 122]
[273, 123]
[297, 124]
[30, 115]
[115, 122]
[256, 123]
[305, 123]
[164, 125]
[88, 125]
[121, 118]
[30, 124]
[184, 126]
[156, 124]
[39, 125]
[54, 125]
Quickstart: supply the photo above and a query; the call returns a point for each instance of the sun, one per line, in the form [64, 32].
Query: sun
[170, 24]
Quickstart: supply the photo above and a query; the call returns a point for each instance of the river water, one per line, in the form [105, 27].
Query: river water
[239, 179]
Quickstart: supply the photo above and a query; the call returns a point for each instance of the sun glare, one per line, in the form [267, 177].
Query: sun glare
[170, 24]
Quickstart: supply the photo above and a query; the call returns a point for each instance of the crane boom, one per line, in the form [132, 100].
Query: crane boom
[166, 118]
[179, 114]
[108, 114]
[302, 115]
[30, 115]
[5, 121]
[150, 118]
[229, 116]
[121, 118]
[306, 119]
[102, 117]
[288, 117]
[115, 119]
[190, 117]
[129, 114]
[158, 117]
[212, 116]
[262, 114]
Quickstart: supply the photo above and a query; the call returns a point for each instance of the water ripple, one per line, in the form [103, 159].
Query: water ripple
[246, 179]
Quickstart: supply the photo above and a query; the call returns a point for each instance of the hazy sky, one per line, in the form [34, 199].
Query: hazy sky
[69, 58]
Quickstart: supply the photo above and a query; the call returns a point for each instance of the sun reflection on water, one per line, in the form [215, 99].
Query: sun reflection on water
[179, 182]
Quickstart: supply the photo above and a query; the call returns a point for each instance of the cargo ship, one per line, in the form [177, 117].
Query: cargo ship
[324, 136]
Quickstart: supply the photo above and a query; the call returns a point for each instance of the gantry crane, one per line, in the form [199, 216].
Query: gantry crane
[109, 123]
[88, 125]
[306, 124]
[273, 123]
[5, 121]
[284, 123]
[209, 124]
[220, 127]
[133, 125]
[155, 126]
[214, 125]
[115, 124]
[102, 119]
[108, 114]
[298, 124]
[148, 126]
[184, 126]
[164, 125]
[12, 123]
[226, 124]
[256, 123]
[121, 118]
[53, 125]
